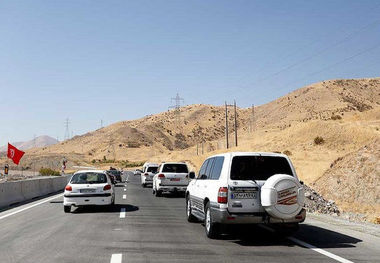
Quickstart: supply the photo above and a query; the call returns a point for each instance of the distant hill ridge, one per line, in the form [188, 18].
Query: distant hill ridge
[40, 141]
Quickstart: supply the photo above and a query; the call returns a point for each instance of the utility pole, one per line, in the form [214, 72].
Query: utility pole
[235, 123]
[252, 119]
[101, 123]
[67, 132]
[34, 162]
[236, 139]
[227, 145]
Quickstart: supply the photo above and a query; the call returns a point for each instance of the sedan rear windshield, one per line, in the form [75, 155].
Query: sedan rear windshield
[89, 178]
[258, 167]
[175, 168]
[114, 172]
[152, 169]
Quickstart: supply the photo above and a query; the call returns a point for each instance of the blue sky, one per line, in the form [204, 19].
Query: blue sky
[119, 60]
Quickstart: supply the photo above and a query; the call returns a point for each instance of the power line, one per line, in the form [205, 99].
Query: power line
[338, 62]
[322, 51]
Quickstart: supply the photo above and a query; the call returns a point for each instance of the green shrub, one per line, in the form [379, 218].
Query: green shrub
[318, 140]
[49, 172]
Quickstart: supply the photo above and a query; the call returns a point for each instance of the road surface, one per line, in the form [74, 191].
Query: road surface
[144, 228]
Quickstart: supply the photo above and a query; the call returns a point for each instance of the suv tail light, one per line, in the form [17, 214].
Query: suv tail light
[68, 188]
[223, 195]
[107, 187]
[161, 176]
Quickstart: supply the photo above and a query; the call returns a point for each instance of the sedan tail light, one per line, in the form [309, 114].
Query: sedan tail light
[68, 188]
[223, 195]
[162, 176]
[107, 187]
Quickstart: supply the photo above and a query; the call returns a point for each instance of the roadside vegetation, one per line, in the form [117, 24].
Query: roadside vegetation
[122, 163]
[49, 172]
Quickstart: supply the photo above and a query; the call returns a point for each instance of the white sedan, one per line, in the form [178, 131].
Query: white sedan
[91, 187]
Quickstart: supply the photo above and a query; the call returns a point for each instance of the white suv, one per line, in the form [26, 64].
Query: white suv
[171, 177]
[149, 170]
[245, 188]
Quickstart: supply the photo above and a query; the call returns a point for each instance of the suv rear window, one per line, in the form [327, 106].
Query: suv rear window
[175, 168]
[152, 169]
[258, 167]
[89, 178]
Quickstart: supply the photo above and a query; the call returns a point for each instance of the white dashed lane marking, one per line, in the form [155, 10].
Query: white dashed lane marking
[116, 258]
[124, 196]
[122, 212]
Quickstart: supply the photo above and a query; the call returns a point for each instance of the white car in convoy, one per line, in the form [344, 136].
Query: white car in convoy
[246, 188]
[171, 177]
[90, 187]
[149, 170]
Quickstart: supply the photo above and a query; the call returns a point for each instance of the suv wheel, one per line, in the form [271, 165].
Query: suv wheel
[189, 215]
[158, 193]
[67, 208]
[212, 229]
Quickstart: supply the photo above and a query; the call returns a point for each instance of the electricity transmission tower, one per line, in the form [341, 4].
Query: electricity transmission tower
[177, 111]
[67, 132]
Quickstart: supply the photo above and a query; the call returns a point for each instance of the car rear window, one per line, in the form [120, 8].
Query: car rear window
[258, 167]
[175, 168]
[89, 178]
[152, 169]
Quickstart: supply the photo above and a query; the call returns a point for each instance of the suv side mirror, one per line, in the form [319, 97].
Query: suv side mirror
[191, 175]
[203, 177]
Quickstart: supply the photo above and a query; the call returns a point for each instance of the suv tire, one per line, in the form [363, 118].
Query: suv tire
[190, 217]
[67, 208]
[158, 193]
[212, 229]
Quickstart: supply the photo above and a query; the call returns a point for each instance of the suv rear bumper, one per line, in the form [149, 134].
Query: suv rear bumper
[221, 215]
[171, 188]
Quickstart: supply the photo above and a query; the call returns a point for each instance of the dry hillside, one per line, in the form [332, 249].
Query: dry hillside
[344, 113]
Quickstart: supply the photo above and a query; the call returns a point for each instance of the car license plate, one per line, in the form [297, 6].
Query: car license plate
[87, 190]
[243, 195]
[174, 179]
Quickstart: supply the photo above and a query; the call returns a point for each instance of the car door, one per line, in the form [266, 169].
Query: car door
[196, 191]
[204, 182]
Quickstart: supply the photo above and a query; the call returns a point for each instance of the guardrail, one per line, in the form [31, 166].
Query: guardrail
[23, 190]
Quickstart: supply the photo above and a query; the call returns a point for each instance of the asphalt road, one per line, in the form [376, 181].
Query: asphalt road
[144, 228]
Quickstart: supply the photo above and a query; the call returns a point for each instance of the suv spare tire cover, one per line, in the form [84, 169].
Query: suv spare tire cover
[282, 196]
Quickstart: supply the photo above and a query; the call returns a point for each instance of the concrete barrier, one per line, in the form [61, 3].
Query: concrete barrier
[23, 190]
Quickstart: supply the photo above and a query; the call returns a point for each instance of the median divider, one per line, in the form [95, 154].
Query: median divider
[24, 190]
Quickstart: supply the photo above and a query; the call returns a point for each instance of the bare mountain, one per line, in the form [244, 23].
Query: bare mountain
[40, 141]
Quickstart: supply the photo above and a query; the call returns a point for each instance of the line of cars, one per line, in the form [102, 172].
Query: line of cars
[167, 177]
[91, 187]
[234, 188]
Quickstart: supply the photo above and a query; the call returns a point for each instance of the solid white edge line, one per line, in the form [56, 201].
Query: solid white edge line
[319, 250]
[31, 206]
[122, 212]
[124, 196]
[314, 248]
[116, 258]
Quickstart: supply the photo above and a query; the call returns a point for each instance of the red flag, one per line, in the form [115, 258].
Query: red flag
[14, 153]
